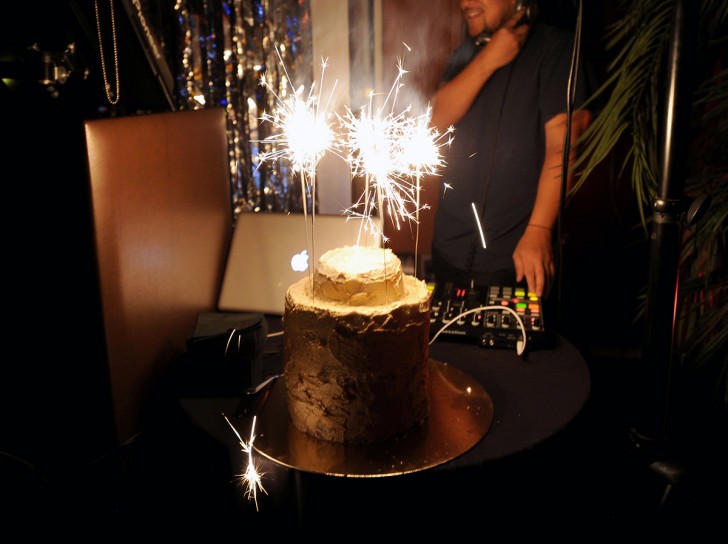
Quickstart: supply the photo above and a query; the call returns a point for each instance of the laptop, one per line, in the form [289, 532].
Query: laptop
[270, 251]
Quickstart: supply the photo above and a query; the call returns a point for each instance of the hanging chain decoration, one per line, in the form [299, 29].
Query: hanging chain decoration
[112, 96]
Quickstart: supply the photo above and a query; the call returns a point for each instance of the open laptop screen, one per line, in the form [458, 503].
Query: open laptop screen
[272, 250]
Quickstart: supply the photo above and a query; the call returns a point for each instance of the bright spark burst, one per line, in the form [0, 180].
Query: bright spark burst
[392, 151]
[251, 477]
[303, 133]
[422, 154]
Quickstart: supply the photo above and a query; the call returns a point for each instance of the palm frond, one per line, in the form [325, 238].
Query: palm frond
[631, 88]
[626, 130]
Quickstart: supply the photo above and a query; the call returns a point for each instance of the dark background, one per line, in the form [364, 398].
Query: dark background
[55, 406]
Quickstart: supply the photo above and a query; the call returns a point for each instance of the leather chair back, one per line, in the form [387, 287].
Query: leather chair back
[162, 217]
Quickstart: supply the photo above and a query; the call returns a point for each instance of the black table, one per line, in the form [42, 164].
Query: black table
[534, 398]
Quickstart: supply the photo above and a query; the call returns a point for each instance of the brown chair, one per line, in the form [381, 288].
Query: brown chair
[162, 217]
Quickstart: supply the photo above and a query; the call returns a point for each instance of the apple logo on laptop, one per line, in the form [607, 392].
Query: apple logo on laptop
[299, 262]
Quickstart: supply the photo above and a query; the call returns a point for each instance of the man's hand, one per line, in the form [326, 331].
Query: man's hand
[534, 259]
[507, 41]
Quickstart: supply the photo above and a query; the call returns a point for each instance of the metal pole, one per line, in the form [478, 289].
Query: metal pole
[660, 364]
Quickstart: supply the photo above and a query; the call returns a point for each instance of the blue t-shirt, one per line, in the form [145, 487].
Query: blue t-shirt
[495, 159]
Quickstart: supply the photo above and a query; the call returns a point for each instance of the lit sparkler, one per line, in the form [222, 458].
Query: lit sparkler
[392, 151]
[304, 133]
[372, 148]
[303, 136]
[422, 155]
[251, 477]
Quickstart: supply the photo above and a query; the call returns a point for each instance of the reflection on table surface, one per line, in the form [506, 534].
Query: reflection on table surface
[461, 413]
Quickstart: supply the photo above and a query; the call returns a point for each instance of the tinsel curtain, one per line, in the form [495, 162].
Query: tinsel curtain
[225, 47]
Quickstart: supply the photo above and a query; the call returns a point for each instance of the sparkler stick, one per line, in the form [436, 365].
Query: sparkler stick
[422, 155]
[251, 477]
[304, 136]
[417, 234]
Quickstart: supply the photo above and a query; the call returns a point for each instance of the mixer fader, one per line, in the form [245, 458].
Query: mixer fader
[485, 315]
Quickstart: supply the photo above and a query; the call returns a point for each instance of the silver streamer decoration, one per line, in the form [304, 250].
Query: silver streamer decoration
[226, 47]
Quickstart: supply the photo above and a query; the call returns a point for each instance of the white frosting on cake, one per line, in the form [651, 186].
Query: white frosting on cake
[356, 347]
[359, 276]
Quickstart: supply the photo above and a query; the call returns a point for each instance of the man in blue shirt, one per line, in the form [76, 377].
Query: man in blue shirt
[505, 91]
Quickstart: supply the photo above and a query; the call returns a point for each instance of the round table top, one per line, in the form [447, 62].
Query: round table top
[533, 396]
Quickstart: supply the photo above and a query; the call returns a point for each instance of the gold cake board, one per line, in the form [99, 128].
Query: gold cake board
[461, 412]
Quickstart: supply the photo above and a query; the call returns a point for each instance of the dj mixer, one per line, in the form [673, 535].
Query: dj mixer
[488, 316]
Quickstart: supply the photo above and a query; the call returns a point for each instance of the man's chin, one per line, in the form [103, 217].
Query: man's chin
[473, 31]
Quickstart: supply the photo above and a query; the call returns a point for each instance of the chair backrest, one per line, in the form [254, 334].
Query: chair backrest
[162, 216]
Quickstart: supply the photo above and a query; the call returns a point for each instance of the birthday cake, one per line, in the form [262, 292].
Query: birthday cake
[356, 348]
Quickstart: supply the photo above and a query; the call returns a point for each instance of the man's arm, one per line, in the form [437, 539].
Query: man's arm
[454, 98]
[533, 256]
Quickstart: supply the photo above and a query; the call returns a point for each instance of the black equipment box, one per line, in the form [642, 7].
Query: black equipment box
[488, 315]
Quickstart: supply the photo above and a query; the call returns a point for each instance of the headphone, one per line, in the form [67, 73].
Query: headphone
[530, 13]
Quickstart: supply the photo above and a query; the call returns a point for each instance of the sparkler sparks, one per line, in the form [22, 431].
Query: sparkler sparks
[304, 135]
[422, 154]
[392, 151]
[251, 477]
[303, 129]
[477, 222]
